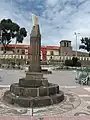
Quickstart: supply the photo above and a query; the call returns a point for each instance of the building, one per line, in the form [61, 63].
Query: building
[63, 51]
[66, 49]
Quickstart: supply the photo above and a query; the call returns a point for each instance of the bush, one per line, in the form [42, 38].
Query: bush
[68, 62]
[73, 63]
[75, 60]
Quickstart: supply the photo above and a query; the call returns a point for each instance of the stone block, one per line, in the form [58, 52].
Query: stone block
[35, 101]
[43, 91]
[33, 83]
[30, 92]
[57, 98]
[60, 97]
[42, 101]
[53, 87]
[7, 97]
[34, 75]
[21, 91]
[52, 90]
[17, 90]
[25, 102]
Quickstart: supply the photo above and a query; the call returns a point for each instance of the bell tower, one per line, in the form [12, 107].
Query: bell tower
[65, 48]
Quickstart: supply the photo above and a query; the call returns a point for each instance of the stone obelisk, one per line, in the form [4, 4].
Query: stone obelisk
[35, 46]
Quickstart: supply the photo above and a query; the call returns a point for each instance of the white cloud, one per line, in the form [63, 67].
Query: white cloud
[51, 2]
[58, 20]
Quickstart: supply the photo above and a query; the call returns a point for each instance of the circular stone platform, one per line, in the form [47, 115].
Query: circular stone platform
[33, 91]
[34, 97]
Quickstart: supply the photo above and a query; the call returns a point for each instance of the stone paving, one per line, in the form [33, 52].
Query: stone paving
[70, 102]
[73, 105]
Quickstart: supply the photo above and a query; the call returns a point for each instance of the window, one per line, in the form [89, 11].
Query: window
[18, 51]
[67, 44]
[64, 44]
[23, 52]
[51, 53]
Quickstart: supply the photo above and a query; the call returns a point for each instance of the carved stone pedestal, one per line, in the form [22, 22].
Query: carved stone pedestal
[33, 90]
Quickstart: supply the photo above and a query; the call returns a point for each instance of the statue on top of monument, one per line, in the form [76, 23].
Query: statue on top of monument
[35, 30]
[34, 20]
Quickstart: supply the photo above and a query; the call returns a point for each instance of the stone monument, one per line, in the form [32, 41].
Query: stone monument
[35, 46]
[34, 90]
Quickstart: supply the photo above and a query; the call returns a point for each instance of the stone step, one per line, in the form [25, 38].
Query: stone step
[30, 75]
[35, 78]
[33, 82]
[34, 92]
[33, 101]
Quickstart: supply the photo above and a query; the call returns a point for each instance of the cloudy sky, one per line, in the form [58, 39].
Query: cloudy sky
[58, 19]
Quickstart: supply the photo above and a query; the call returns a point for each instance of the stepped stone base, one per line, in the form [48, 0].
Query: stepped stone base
[33, 101]
[33, 83]
[33, 90]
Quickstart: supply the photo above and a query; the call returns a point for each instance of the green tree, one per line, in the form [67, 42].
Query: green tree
[9, 31]
[74, 60]
[85, 44]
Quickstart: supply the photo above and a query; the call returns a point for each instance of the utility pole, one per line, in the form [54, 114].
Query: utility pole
[1, 32]
[76, 34]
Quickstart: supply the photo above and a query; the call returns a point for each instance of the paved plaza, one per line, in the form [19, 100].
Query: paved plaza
[76, 102]
[62, 78]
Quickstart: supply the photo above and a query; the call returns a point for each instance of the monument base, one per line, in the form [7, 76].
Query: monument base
[33, 101]
[33, 90]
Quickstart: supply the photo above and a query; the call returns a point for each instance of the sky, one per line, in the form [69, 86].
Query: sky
[58, 19]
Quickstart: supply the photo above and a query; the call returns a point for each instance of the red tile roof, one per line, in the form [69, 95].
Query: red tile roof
[52, 47]
[26, 46]
[17, 45]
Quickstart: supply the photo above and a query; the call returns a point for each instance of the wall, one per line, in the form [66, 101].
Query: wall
[82, 54]
[66, 51]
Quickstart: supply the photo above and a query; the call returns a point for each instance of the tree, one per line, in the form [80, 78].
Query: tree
[85, 44]
[9, 31]
[20, 34]
[73, 63]
[74, 60]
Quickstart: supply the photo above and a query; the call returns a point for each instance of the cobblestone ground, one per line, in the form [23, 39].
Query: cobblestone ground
[76, 103]
[76, 106]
